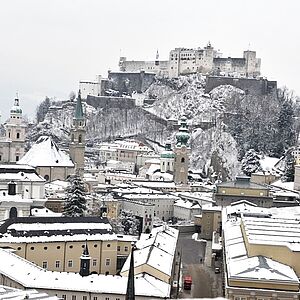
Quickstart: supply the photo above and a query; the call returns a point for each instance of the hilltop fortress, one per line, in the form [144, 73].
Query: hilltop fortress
[183, 61]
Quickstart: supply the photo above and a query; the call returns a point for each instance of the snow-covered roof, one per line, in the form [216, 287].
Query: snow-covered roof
[44, 212]
[268, 163]
[9, 293]
[17, 172]
[30, 275]
[39, 229]
[162, 176]
[156, 249]
[187, 204]
[45, 153]
[286, 185]
[255, 268]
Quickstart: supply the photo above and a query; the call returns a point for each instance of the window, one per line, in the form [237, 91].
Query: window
[71, 246]
[19, 248]
[45, 248]
[18, 135]
[73, 297]
[79, 138]
[107, 261]
[0, 157]
[182, 159]
[95, 298]
[118, 248]
[126, 249]
[106, 298]
[108, 245]
[31, 248]
[17, 157]
[70, 263]
[45, 264]
[94, 262]
[57, 264]
[64, 297]
[84, 297]
[58, 247]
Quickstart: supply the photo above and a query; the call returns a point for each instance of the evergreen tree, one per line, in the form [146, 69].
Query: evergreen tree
[250, 162]
[75, 204]
[42, 109]
[289, 168]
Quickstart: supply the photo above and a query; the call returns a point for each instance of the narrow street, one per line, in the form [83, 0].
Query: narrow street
[205, 282]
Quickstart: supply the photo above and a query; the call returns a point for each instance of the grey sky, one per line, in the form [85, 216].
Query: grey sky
[47, 46]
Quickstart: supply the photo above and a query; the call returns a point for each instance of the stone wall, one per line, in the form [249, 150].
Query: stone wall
[110, 102]
[128, 82]
[249, 85]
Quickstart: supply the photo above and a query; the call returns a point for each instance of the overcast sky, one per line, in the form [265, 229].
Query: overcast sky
[47, 46]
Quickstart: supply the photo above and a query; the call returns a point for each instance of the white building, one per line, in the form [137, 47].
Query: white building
[28, 183]
[12, 145]
[141, 209]
[90, 87]
[186, 210]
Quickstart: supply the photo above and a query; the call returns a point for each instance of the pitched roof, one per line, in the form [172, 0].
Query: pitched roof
[45, 153]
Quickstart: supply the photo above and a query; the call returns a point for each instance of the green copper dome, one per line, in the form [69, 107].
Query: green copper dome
[183, 135]
[167, 153]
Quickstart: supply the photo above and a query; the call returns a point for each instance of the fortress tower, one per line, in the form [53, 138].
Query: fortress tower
[77, 145]
[182, 152]
[12, 147]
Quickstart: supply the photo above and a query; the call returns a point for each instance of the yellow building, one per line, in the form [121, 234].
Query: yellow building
[242, 189]
[261, 252]
[56, 244]
[209, 221]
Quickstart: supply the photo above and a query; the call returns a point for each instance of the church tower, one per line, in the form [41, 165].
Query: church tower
[85, 262]
[167, 159]
[15, 133]
[77, 145]
[182, 152]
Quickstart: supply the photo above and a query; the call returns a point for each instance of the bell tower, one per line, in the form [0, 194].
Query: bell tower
[182, 153]
[77, 135]
[85, 261]
[15, 132]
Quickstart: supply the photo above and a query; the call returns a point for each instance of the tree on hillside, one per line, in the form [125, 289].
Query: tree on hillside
[289, 167]
[75, 204]
[42, 109]
[250, 162]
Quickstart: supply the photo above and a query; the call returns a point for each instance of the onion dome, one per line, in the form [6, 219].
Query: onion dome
[183, 135]
[16, 109]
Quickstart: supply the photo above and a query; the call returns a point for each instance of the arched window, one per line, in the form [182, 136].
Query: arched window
[18, 135]
[79, 138]
[182, 160]
[13, 213]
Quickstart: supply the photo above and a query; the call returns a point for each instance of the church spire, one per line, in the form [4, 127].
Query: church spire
[78, 108]
[130, 293]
